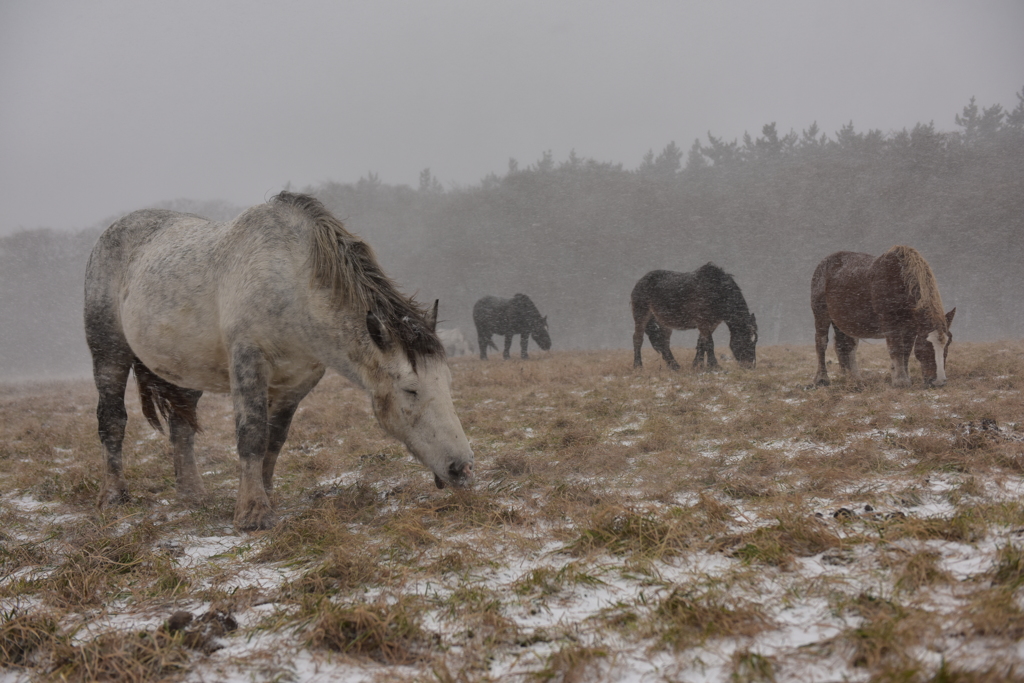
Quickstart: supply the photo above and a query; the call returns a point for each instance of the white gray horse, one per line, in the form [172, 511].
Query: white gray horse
[259, 307]
[454, 342]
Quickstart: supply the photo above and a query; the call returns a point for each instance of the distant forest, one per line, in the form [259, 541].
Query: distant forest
[576, 234]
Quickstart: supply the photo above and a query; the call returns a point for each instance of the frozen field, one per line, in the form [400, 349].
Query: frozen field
[625, 525]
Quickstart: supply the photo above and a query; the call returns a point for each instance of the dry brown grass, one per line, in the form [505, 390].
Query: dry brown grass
[688, 617]
[592, 477]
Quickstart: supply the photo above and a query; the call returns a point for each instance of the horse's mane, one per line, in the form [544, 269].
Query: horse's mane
[919, 280]
[526, 305]
[722, 281]
[345, 264]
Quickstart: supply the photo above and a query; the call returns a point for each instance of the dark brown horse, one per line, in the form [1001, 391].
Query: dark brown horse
[509, 317]
[894, 296]
[663, 301]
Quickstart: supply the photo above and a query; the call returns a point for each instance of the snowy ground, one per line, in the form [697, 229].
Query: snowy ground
[650, 526]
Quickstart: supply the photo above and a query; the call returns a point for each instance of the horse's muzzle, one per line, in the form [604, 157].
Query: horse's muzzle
[460, 475]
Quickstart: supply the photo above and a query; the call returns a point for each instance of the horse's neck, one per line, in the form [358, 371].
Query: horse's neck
[734, 309]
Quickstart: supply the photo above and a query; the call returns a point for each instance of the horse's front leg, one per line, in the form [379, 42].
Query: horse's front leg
[846, 351]
[698, 360]
[508, 347]
[705, 350]
[709, 349]
[900, 345]
[249, 379]
[282, 410]
[189, 482]
[524, 339]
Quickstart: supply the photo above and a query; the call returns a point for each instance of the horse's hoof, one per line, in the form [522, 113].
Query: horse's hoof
[822, 382]
[114, 499]
[192, 497]
[255, 517]
[114, 495]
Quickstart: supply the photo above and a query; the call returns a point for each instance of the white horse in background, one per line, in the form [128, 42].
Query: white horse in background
[259, 307]
[454, 342]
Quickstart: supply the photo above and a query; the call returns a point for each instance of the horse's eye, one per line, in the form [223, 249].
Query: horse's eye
[411, 392]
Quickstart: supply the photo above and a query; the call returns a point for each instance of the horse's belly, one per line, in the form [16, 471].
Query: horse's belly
[851, 311]
[858, 327]
[186, 355]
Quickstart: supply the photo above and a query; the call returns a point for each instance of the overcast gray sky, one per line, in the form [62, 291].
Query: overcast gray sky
[108, 106]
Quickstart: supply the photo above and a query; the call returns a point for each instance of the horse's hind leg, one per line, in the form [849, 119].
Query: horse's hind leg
[483, 340]
[846, 350]
[111, 363]
[249, 386]
[638, 340]
[110, 370]
[821, 325]
[660, 336]
[189, 482]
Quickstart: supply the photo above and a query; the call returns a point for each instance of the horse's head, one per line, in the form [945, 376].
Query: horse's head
[540, 333]
[743, 340]
[411, 396]
[932, 348]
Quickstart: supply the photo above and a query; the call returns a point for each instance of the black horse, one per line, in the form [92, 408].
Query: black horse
[509, 317]
[663, 301]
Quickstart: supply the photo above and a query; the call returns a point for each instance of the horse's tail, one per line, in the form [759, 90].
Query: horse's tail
[919, 279]
[160, 398]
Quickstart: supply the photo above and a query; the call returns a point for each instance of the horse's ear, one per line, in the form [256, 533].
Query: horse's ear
[431, 318]
[949, 317]
[377, 332]
[545, 321]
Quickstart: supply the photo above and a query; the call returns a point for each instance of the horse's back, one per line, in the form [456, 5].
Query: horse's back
[489, 312]
[183, 288]
[671, 297]
[841, 293]
[522, 307]
[111, 257]
[645, 288]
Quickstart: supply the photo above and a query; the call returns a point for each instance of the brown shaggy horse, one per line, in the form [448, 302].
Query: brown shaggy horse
[894, 296]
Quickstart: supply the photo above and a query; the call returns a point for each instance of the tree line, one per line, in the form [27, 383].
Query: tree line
[576, 234]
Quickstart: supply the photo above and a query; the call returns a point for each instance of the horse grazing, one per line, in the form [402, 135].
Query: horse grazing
[663, 301]
[509, 317]
[894, 296]
[454, 342]
[258, 307]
